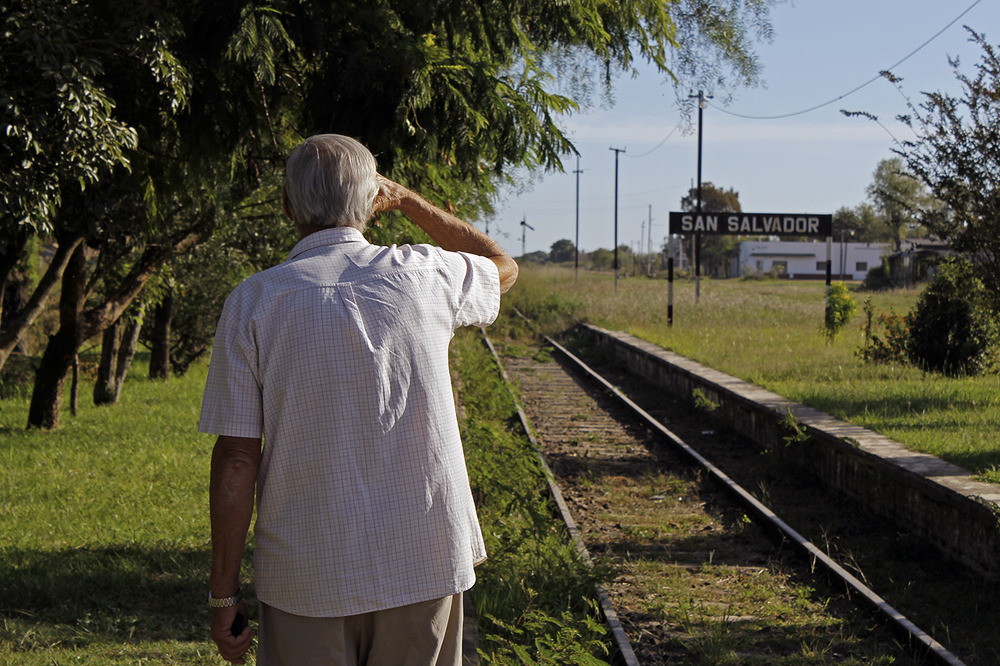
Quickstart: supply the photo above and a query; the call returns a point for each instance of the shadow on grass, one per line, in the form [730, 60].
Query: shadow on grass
[894, 407]
[944, 419]
[113, 594]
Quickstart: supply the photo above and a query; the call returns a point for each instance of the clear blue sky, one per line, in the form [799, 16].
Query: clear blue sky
[814, 162]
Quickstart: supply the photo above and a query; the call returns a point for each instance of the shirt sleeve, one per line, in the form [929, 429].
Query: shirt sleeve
[479, 298]
[232, 403]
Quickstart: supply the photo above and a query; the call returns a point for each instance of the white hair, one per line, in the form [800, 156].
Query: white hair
[331, 181]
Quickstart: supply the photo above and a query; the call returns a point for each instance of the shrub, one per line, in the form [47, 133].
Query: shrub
[878, 278]
[840, 308]
[953, 329]
[886, 336]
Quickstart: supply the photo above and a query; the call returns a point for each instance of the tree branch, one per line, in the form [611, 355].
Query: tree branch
[15, 332]
[101, 316]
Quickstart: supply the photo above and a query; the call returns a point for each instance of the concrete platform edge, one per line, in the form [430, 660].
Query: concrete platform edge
[936, 499]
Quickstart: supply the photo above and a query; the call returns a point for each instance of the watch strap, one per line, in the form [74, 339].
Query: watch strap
[225, 602]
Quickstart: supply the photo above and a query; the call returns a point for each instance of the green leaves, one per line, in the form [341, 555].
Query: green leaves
[957, 154]
[257, 41]
[480, 87]
[63, 122]
[952, 328]
[840, 308]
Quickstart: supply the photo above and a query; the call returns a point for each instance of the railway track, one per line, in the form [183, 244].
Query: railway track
[707, 572]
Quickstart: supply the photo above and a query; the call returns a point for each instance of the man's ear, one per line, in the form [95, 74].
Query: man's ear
[285, 205]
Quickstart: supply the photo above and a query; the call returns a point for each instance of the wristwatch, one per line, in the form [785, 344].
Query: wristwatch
[225, 602]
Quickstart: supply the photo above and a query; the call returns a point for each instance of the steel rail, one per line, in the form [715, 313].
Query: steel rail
[918, 640]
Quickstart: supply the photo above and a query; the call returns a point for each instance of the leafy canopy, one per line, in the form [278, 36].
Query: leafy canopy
[957, 154]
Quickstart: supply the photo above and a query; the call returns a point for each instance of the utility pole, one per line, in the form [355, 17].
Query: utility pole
[617, 151]
[697, 237]
[576, 244]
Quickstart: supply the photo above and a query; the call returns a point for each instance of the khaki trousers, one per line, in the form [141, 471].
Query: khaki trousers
[422, 634]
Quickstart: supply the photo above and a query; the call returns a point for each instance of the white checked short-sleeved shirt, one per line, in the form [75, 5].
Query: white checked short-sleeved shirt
[338, 357]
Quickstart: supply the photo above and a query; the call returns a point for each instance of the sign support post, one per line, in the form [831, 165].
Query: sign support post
[670, 287]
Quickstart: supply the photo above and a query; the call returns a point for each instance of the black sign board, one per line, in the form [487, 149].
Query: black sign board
[752, 224]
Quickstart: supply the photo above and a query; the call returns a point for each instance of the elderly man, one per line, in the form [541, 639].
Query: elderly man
[366, 533]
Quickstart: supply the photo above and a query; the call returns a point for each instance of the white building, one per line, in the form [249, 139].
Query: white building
[807, 260]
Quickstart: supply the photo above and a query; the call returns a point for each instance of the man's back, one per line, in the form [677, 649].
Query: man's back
[364, 501]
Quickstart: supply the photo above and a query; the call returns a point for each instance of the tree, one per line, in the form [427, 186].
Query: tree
[716, 251]
[898, 198]
[457, 95]
[200, 281]
[861, 224]
[62, 133]
[562, 250]
[118, 346]
[79, 321]
[200, 102]
[713, 199]
[952, 329]
[459, 92]
[601, 259]
[957, 155]
[189, 167]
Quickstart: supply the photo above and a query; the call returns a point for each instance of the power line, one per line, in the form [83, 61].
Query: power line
[863, 85]
[657, 146]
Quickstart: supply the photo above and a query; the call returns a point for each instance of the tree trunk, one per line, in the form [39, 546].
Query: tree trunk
[46, 397]
[10, 253]
[127, 352]
[159, 356]
[105, 390]
[117, 351]
[74, 391]
[75, 325]
[10, 338]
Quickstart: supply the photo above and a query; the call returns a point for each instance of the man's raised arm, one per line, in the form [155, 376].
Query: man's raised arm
[448, 231]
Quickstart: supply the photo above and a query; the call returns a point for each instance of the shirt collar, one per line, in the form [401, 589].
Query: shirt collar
[331, 236]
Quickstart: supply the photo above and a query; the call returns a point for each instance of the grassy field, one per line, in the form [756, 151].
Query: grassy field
[104, 531]
[769, 332]
[104, 548]
[103, 523]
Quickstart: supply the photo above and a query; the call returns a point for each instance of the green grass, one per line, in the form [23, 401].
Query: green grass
[769, 332]
[532, 595]
[104, 550]
[93, 473]
[104, 533]
[104, 547]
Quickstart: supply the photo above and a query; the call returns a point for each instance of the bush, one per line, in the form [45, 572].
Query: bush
[878, 278]
[840, 307]
[887, 336]
[953, 329]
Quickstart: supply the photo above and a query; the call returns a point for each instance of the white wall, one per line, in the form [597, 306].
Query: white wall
[803, 260]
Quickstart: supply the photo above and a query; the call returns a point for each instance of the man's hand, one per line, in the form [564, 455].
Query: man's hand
[447, 230]
[390, 195]
[232, 648]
